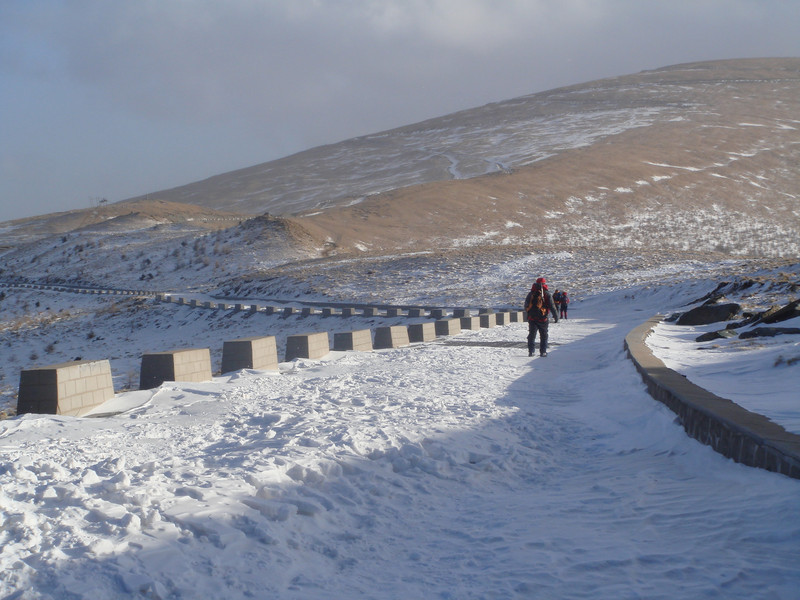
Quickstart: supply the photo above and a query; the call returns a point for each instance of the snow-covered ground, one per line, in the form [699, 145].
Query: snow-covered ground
[454, 469]
[752, 372]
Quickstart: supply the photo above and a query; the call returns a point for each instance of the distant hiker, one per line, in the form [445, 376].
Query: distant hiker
[538, 304]
[563, 304]
[557, 298]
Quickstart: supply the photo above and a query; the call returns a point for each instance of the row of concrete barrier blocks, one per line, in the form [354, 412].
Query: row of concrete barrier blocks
[75, 388]
[69, 388]
[397, 336]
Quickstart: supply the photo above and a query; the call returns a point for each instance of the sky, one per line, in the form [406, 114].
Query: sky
[110, 100]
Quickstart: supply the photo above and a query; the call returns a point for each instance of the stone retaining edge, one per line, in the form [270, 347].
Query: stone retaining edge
[744, 436]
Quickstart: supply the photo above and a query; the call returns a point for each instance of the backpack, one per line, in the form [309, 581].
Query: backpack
[537, 307]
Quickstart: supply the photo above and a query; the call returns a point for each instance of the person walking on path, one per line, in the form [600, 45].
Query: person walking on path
[557, 300]
[563, 301]
[538, 304]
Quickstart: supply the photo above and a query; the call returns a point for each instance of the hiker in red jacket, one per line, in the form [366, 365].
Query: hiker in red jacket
[538, 304]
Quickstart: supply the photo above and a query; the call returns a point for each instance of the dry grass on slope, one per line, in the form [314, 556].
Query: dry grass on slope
[120, 216]
[722, 177]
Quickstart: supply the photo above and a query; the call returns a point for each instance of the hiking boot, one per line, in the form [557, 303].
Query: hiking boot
[543, 354]
[530, 353]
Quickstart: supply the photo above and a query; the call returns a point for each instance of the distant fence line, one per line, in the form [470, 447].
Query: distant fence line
[76, 289]
[325, 308]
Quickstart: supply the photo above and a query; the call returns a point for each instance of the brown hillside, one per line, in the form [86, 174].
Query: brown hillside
[721, 173]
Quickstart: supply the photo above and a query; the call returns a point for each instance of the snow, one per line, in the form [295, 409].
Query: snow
[453, 469]
[693, 169]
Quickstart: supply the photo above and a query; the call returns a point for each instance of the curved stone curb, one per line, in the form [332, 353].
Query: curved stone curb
[746, 437]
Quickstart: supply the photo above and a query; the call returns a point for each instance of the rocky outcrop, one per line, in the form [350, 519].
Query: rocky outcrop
[768, 332]
[790, 311]
[715, 335]
[774, 314]
[712, 313]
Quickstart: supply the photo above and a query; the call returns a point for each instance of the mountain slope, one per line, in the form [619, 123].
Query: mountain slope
[718, 174]
[503, 136]
[698, 157]
[691, 157]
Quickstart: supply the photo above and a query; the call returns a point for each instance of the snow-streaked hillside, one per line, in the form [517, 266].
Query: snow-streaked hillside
[492, 139]
[504, 136]
[159, 256]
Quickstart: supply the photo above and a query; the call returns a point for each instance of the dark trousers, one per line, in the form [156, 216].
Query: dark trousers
[541, 327]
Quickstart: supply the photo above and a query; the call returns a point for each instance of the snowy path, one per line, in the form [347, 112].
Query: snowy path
[438, 471]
